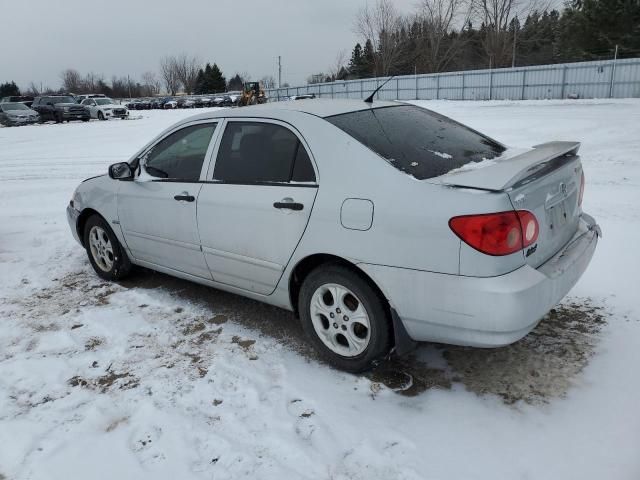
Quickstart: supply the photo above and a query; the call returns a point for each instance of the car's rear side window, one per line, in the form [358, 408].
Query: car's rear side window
[417, 141]
[255, 152]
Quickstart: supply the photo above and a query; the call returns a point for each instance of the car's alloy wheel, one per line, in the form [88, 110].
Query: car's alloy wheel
[100, 116]
[345, 317]
[101, 248]
[340, 320]
[106, 255]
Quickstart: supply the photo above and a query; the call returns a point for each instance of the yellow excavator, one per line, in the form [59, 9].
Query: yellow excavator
[252, 94]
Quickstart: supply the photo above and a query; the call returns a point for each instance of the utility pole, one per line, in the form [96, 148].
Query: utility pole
[129, 85]
[613, 72]
[515, 36]
[279, 71]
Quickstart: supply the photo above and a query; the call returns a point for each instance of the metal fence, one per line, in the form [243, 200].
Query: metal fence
[599, 79]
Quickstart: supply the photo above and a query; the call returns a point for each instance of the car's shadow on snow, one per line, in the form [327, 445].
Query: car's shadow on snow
[541, 366]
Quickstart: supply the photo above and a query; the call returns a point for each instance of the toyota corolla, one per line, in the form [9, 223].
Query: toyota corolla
[379, 224]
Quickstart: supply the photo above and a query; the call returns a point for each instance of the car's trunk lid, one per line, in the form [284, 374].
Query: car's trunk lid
[544, 180]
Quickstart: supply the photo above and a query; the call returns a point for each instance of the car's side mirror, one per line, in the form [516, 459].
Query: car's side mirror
[120, 171]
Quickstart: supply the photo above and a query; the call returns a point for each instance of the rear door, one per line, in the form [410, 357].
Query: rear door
[157, 211]
[253, 213]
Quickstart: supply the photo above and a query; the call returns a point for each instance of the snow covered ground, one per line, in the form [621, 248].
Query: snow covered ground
[159, 378]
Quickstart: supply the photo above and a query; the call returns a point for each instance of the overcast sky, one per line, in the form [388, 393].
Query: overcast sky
[119, 37]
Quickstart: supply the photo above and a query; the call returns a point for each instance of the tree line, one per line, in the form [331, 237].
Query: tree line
[453, 35]
[177, 73]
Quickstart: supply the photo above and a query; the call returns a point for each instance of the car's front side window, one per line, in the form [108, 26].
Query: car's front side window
[180, 155]
[255, 152]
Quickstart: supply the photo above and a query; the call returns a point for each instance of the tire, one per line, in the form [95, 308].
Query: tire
[57, 118]
[337, 328]
[101, 116]
[105, 253]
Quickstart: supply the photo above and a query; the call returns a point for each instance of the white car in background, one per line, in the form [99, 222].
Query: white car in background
[104, 108]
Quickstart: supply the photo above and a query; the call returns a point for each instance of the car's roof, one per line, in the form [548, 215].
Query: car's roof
[318, 107]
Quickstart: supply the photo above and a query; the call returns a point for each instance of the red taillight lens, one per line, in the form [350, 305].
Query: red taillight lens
[581, 194]
[530, 227]
[497, 233]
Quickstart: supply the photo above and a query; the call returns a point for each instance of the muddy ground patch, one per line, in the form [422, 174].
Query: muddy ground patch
[542, 366]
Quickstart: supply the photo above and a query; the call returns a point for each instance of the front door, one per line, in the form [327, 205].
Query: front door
[157, 211]
[253, 214]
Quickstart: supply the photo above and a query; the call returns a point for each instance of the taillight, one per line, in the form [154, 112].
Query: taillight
[497, 234]
[581, 194]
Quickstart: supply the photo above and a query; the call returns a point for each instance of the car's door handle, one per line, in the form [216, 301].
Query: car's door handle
[289, 205]
[184, 197]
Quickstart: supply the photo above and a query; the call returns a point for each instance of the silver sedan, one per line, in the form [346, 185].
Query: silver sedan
[378, 224]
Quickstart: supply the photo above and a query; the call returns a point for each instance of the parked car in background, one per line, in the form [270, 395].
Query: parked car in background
[376, 223]
[306, 96]
[170, 104]
[234, 97]
[218, 100]
[80, 98]
[103, 108]
[17, 113]
[60, 108]
[185, 102]
[202, 102]
[156, 103]
[21, 99]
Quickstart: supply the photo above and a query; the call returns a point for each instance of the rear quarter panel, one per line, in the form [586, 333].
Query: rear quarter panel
[410, 221]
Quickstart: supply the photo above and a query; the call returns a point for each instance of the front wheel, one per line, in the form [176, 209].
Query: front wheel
[100, 116]
[106, 255]
[345, 318]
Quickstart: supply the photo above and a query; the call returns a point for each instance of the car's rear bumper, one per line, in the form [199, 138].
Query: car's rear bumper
[484, 312]
[72, 218]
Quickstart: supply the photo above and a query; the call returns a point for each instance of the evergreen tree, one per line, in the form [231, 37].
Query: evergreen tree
[217, 81]
[236, 82]
[355, 64]
[9, 89]
[368, 60]
[200, 83]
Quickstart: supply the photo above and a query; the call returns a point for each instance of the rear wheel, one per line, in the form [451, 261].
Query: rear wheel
[105, 253]
[345, 318]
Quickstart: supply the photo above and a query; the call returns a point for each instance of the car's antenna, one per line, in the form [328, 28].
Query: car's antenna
[369, 99]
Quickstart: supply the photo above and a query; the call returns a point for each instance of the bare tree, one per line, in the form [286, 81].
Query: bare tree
[33, 90]
[152, 82]
[187, 71]
[91, 82]
[438, 19]
[380, 24]
[497, 16]
[338, 65]
[71, 80]
[169, 72]
[268, 81]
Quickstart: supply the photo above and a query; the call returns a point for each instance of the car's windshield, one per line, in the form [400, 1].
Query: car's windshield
[104, 101]
[417, 141]
[55, 100]
[14, 106]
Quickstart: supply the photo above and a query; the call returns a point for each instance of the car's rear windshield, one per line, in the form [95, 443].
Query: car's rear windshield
[417, 141]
